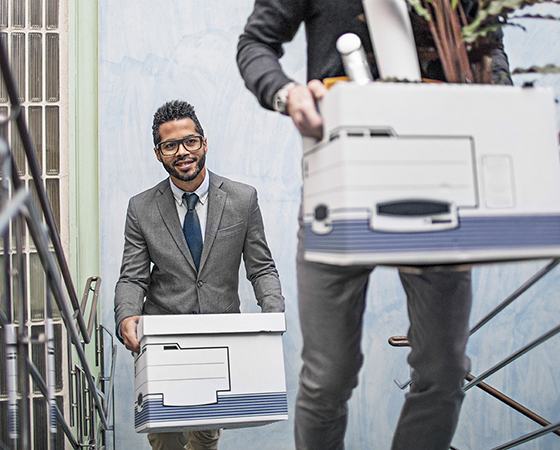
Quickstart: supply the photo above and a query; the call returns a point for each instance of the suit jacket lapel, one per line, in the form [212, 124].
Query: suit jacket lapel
[168, 211]
[216, 203]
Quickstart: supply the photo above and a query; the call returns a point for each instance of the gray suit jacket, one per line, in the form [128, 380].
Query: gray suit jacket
[158, 275]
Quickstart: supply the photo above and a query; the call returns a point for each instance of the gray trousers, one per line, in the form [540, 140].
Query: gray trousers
[331, 303]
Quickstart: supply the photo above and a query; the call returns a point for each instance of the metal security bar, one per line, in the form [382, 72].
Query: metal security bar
[30, 372]
[478, 381]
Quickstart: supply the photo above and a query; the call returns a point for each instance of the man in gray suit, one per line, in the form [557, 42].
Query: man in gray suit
[182, 253]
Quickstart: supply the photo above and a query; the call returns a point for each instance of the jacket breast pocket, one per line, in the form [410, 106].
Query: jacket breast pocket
[230, 230]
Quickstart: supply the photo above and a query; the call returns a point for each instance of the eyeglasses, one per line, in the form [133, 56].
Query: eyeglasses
[171, 147]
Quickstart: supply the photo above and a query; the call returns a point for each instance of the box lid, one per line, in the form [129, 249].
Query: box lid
[158, 325]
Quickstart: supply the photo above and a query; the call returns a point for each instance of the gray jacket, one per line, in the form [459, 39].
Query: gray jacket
[158, 275]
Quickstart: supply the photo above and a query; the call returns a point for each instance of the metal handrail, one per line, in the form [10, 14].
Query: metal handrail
[553, 332]
[111, 379]
[21, 205]
[93, 309]
[530, 282]
[43, 388]
[478, 381]
[47, 260]
[529, 436]
[41, 193]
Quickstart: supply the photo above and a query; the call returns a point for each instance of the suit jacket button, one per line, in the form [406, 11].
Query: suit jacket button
[200, 283]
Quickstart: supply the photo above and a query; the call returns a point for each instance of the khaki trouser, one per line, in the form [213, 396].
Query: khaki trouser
[188, 440]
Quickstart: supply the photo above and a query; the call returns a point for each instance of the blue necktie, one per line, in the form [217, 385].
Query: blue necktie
[191, 228]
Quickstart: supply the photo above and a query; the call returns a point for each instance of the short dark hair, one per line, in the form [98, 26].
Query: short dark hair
[174, 110]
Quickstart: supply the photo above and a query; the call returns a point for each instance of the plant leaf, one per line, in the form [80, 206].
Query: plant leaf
[470, 36]
[543, 70]
[420, 10]
[533, 16]
[499, 8]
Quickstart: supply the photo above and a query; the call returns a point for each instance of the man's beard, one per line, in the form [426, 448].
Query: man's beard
[188, 176]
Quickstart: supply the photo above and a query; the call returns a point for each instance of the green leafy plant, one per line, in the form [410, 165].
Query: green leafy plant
[465, 43]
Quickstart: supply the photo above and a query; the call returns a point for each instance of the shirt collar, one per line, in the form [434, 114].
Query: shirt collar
[202, 190]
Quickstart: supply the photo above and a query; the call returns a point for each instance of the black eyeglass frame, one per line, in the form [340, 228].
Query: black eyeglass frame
[181, 142]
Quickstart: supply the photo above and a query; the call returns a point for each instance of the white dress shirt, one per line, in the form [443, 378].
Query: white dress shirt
[201, 206]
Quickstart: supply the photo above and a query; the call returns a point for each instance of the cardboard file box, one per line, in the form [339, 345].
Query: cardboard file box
[412, 173]
[206, 371]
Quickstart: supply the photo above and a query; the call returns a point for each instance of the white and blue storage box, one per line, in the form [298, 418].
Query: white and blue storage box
[433, 173]
[206, 371]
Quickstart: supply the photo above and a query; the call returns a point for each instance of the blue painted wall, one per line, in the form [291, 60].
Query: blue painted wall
[151, 52]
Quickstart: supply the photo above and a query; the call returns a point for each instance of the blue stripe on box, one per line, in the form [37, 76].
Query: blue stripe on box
[473, 233]
[249, 405]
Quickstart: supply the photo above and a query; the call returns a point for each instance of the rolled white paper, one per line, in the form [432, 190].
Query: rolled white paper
[354, 58]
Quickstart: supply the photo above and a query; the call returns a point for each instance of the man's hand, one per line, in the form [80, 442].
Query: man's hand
[301, 108]
[128, 333]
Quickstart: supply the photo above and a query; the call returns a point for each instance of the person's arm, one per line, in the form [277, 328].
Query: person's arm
[500, 70]
[271, 24]
[259, 50]
[132, 285]
[259, 265]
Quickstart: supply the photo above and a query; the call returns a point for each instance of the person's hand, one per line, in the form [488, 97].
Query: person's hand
[300, 106]
[128, 333]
